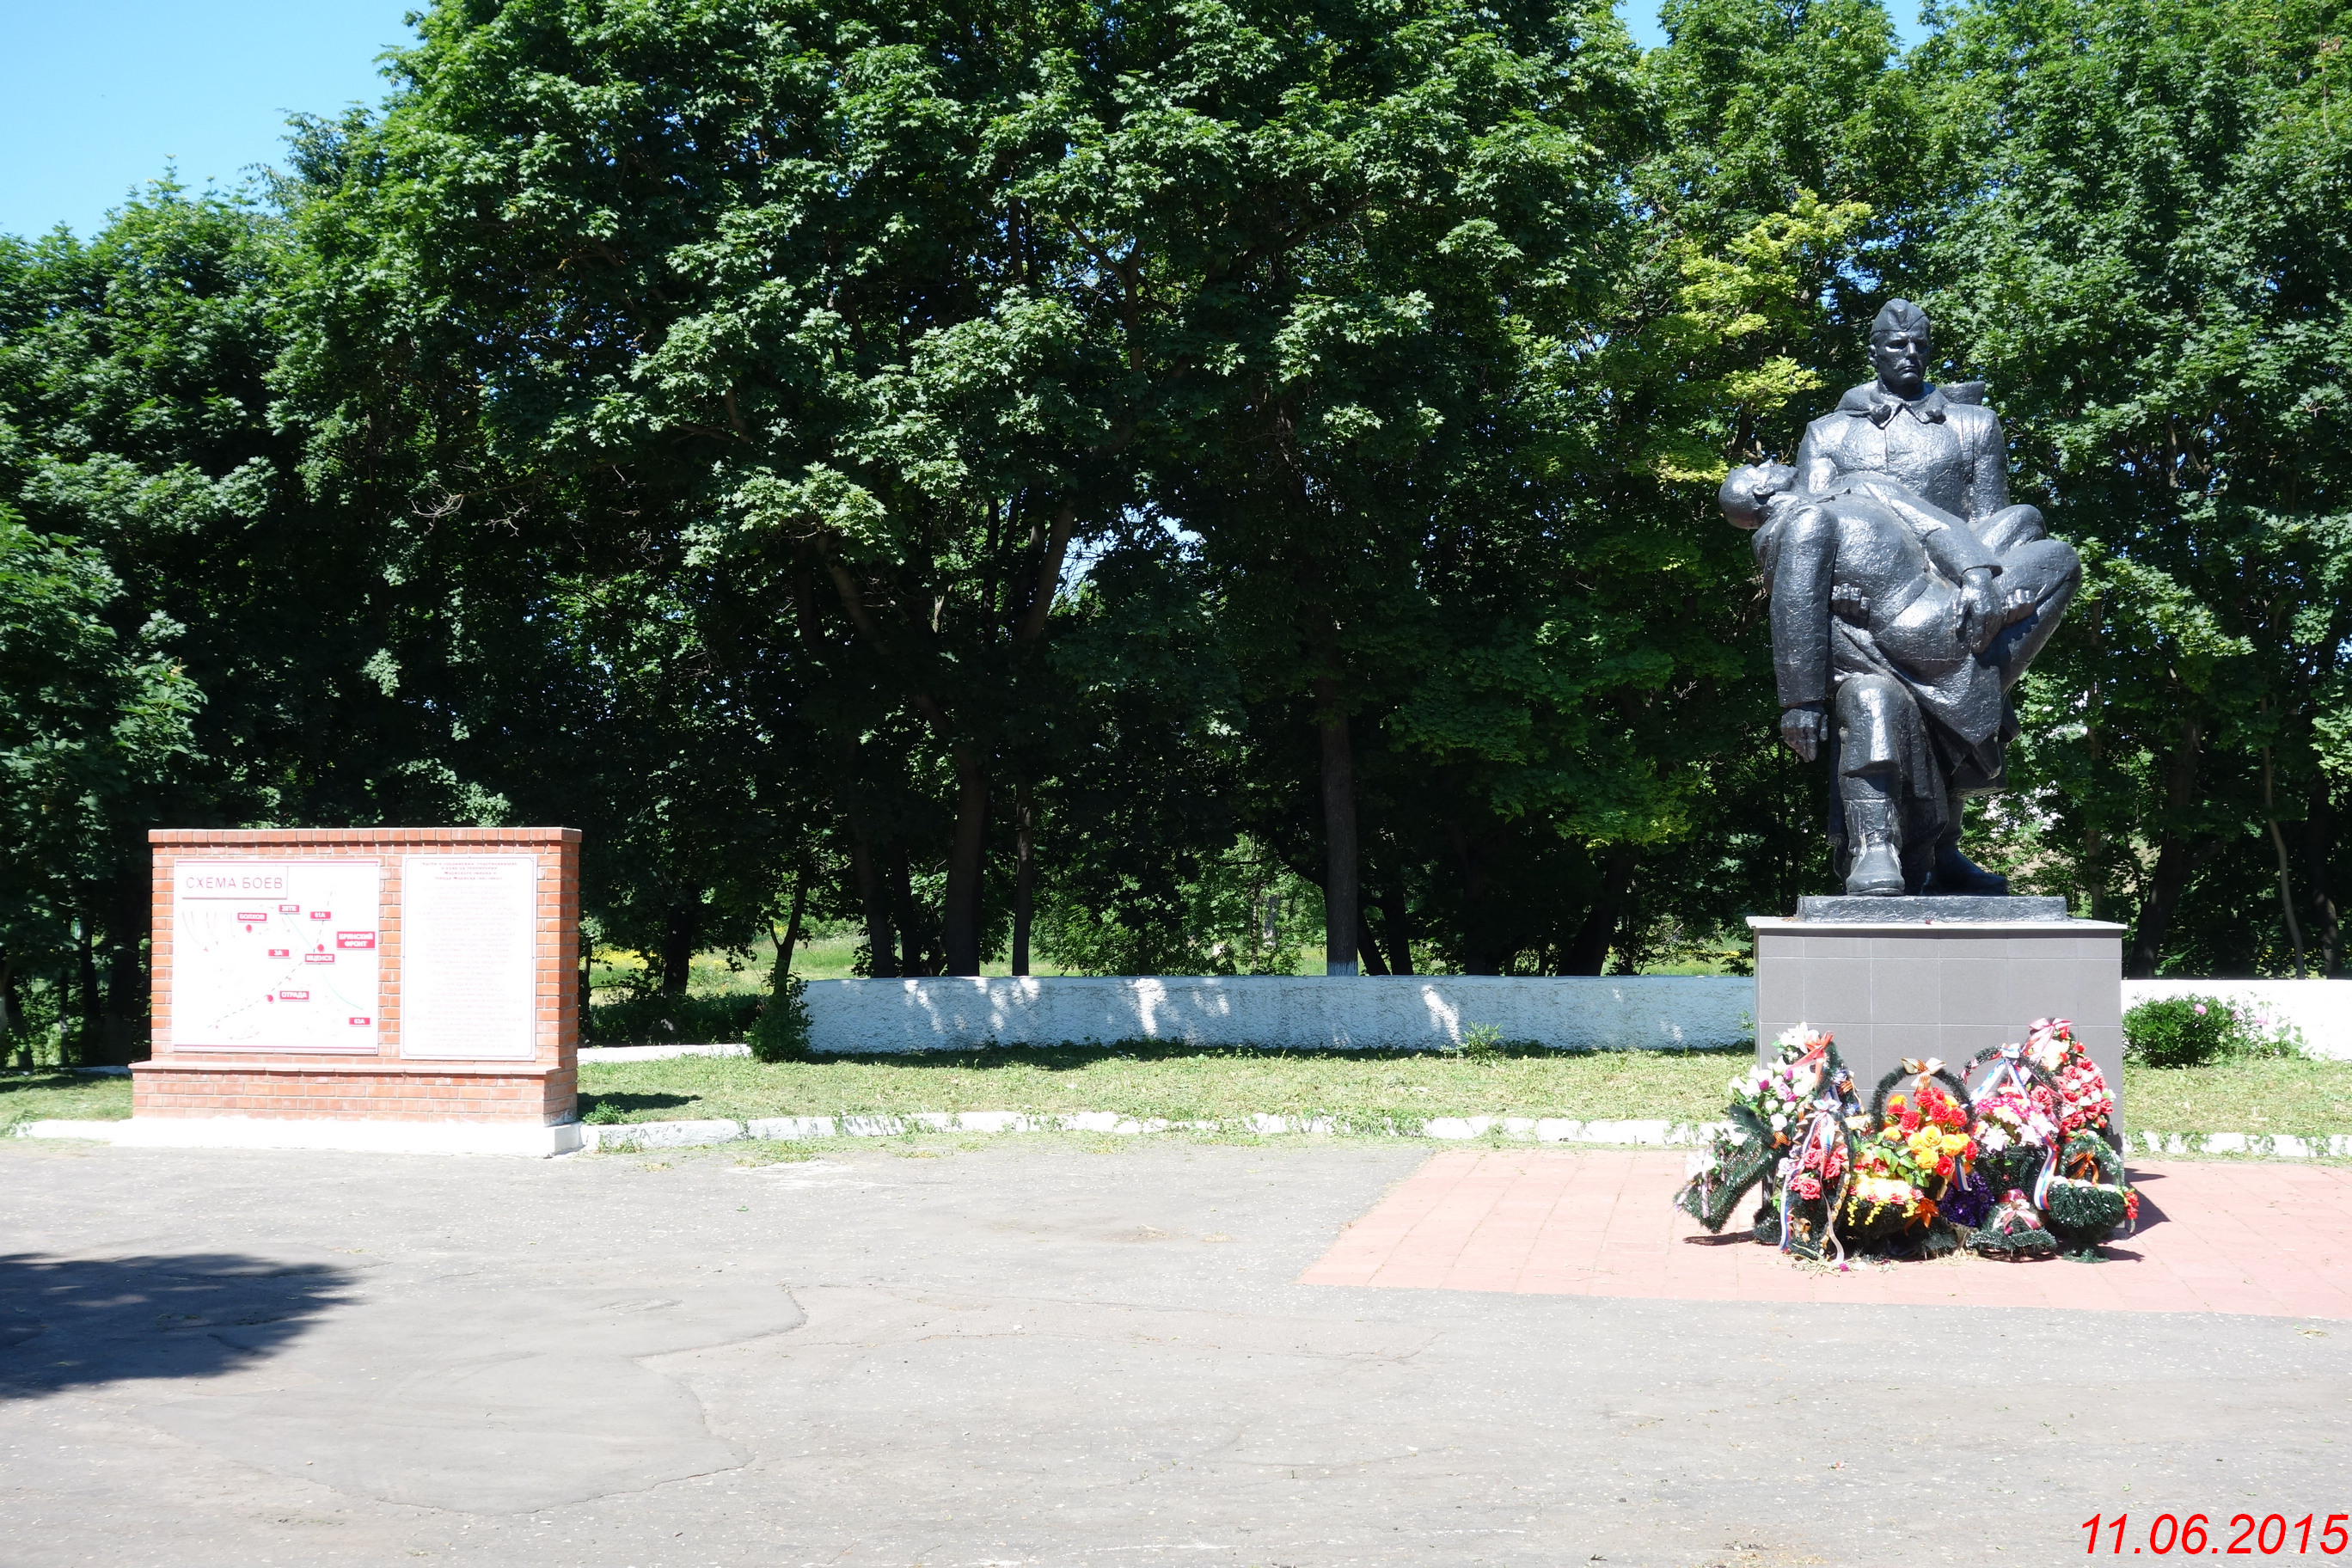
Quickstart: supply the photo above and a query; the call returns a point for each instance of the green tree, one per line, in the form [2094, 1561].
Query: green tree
[135, 384]
[2142, 242]
[90, 721]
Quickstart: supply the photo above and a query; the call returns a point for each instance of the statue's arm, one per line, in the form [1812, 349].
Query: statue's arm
[1800, 606]
[1988, 469]
[1817, 470]
[1950, 542]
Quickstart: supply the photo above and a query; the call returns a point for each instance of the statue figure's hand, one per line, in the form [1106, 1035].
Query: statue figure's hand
[1982, 610]
[1803, 727]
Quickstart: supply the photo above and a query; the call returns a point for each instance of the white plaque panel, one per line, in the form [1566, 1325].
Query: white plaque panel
[469, 956]
[275, 955]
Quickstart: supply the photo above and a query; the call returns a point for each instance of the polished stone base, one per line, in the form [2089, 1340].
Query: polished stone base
[1888, 989]
[1920, 911]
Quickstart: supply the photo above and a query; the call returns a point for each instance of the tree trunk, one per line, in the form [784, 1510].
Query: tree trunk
[126, 969]
[1589, 953]
[2177, 859]
[1477, 954]
[960, 919]
[1396, 923]
[913, 933]
[2287, 882]
[881, 934]
[1367, 945]
[679, 932]
[788, 943]
[1340, 910]
[2318, 839]
[1024, 874]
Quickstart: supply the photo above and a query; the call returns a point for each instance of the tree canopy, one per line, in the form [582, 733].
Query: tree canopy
[1082, 478]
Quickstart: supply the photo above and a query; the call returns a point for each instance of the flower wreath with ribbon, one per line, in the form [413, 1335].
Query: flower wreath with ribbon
[2013, 1115]
[2085, 1101]
[1768, 1105]
[1817, 1174]
[1917, 1158]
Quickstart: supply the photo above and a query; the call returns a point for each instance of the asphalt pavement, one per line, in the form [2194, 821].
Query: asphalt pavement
[1031, 1352]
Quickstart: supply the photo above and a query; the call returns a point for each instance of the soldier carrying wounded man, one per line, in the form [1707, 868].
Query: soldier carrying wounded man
[1874, 624]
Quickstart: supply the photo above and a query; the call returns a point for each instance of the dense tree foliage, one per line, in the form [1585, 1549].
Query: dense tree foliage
[1133, 484]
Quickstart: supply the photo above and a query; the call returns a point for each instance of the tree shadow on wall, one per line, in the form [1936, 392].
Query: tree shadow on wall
[70, 1322]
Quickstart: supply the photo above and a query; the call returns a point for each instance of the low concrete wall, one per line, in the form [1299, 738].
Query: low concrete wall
[1284, 1012]
[1308, 1013]
[2321, 1009]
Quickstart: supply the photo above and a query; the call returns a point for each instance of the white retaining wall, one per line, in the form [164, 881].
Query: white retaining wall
[1310, 1013]
[1293, 1013]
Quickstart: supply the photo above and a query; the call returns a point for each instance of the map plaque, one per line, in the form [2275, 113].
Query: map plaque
[277, 956]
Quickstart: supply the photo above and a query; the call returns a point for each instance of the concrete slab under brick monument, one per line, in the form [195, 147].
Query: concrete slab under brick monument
[1941, 977]
[386, 988]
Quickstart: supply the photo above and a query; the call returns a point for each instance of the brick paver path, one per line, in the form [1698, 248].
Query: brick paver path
[2274, 1239]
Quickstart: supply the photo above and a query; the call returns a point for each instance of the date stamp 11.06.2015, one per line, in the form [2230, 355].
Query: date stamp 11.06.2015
[2197, 1535]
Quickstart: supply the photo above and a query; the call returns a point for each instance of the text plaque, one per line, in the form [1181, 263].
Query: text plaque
[469, 948]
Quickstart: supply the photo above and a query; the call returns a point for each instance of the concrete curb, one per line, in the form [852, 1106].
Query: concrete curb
[527, 1140]
[658, 1053]
[1643, 1134]
[2270, 1145]
[572, 1137]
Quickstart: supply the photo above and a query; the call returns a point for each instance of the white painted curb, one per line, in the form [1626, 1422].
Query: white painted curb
[524, 1139]
[658, 1053]
[1637, 1133]
[571, 1137]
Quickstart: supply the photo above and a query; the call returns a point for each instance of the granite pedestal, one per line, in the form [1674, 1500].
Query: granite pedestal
[1892, 978]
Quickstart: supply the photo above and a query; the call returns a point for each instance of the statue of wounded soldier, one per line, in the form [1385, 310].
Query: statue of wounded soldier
[1898, 621]
[1908, 597]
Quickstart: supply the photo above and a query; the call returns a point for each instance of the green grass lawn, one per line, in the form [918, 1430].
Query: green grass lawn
[1180, 1085]
[62, 1097]
[1183, 1086]
[2240, 1097]
[1174, 1083]
[821, 955]
[827, 954]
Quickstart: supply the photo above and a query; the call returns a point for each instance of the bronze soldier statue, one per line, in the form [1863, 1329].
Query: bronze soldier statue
[1909, 595]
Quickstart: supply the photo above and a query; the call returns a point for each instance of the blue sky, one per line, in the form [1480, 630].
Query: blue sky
[99, 97]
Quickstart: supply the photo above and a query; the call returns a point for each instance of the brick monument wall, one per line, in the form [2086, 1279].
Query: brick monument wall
[284, 1043]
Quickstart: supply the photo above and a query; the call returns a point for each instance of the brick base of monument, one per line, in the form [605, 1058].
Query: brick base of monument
[311, 1089]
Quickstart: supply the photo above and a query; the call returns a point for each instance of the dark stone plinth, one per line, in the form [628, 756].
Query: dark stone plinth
[1932, 984]
[1920, 911]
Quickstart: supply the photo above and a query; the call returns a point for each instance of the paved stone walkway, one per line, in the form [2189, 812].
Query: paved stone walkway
[1060, 1354]
[2268, 1240]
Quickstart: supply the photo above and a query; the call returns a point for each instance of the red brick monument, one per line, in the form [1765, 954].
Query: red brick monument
[384, 987]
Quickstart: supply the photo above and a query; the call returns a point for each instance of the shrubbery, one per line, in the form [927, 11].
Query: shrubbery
[2194, 1031]
[781, 1032]
[660, 1020]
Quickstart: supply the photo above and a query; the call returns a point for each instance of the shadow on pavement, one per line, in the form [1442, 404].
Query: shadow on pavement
[79, 1322]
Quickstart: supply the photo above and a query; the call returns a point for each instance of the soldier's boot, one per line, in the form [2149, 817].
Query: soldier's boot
[1873, 842]
[1956, 874]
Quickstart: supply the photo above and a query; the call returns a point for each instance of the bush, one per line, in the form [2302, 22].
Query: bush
[781, 1033]
[660, 1020]
[2193, 1031]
